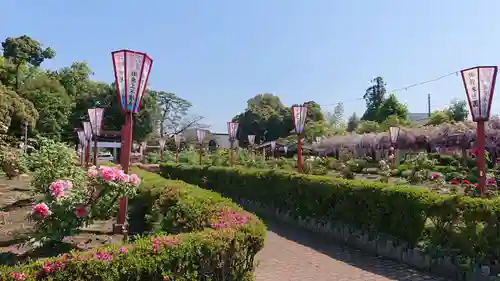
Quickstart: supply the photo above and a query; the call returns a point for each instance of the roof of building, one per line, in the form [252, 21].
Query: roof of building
[415, 117]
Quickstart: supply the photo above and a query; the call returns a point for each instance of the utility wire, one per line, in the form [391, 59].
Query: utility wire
[402, 88]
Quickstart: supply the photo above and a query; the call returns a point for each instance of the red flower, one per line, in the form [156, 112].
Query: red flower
[80, 212]
[465, 182]
[454, 181]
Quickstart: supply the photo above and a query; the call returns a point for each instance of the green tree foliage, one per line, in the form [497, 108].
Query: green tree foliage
[391, 107]
[367, 126]
[55, 102]
[458, 110]
[352, 122]
[374, 97]
[15, 109]
[173, 113]
[52, 103]
[438, 117]
[24, 49]
[266, 117]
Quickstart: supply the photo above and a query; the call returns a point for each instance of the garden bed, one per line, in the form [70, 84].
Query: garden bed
[210, 237]
[16, 202]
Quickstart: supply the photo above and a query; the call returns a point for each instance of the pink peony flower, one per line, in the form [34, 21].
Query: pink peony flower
[122, 177]
[134, 179]
[41, 209]
[92, 173]
[107, 173]
[59, 187]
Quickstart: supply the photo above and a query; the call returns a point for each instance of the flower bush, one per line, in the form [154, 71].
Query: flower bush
[11, 161]
[67, 207]
[53, 161]
[205, 255]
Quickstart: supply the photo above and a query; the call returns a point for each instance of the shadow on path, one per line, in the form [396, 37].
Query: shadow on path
[291, 249]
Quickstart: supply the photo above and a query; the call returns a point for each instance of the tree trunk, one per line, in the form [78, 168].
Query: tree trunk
[18, 81]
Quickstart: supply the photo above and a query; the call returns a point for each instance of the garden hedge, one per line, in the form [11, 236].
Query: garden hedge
[443, 225]
[209, 238]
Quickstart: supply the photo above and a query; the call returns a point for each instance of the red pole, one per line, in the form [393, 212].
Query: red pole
[299, 153]
[124, 162]
[95, 151]
[232, 153]
[201, 154]
[481, 179]
[82, 157]
[87, 154]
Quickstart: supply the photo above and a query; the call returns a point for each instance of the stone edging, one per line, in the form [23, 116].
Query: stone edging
[387, 248]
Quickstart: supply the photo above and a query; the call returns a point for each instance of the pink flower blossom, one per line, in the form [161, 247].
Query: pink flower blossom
[18, 276]
[491, 182]
[41, 209]
[123, 250]
[435, 176]
[134, 179]
[92, 173]
[107, 173]
[59, 187]
[103, 256]
[228, 218]
[52, 266]
[122, 177]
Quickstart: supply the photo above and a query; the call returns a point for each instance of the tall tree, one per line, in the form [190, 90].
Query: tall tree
[23, 50]
[75, 79]
[352, 122]
[458, 110]
[336, 118]
[173, 116]
[14, 107]
[374, 97]
[266, 117]
[52, 103]
[391, 106]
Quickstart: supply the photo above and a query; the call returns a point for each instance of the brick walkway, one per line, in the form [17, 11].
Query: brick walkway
[293, 255]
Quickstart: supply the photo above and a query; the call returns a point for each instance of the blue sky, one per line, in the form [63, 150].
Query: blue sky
[220, 53]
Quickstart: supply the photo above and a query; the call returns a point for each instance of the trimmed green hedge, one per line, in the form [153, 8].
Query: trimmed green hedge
[211, 239]
[447, 225]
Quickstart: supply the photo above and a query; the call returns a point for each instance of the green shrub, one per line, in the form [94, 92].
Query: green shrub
[444, 224]
[447, 160]
[174, 206]
[11, 161]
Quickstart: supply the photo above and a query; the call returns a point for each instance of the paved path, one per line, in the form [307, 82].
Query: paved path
[293, 255]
